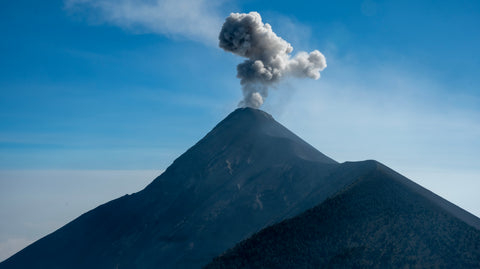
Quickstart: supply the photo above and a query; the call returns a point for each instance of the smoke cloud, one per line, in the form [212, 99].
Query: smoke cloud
[268, 56]
[196, 20]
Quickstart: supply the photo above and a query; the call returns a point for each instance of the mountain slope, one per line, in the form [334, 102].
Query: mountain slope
[381, 220]
[247, 173]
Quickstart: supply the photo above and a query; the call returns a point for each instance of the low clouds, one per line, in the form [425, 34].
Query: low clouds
[268, 56]
[196, 20]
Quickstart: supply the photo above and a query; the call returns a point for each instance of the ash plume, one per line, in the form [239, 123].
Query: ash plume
[268, 56]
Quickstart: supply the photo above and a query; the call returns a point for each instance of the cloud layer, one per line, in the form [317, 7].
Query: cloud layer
[197, 20]
[268, 56]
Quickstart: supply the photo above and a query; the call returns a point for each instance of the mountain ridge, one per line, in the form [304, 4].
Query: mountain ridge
[377, 221]
[248, 173]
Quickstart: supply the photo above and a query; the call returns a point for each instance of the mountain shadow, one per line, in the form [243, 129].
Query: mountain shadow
[381, 220]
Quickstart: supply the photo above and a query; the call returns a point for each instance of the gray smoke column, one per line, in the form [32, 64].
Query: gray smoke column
[269, 59]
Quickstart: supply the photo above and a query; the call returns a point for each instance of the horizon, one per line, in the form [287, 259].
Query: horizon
[88, 94]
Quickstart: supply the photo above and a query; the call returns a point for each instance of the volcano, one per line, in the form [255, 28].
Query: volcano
[244, 178]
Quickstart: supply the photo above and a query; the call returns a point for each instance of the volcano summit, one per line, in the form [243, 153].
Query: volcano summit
[252, 179]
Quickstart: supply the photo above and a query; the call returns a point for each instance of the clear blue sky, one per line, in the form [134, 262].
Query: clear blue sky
[110, 85]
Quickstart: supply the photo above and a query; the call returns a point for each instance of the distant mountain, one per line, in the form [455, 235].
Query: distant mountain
[381, 220]
[245, 175]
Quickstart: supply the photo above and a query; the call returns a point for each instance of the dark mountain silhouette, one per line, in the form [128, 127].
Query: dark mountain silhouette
[381, 220]
[246, 174]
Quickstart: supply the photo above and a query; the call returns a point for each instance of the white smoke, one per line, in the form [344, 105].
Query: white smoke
[269, 58]
[196, 20]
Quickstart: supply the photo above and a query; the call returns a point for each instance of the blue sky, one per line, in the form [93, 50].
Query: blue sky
[106, 85]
